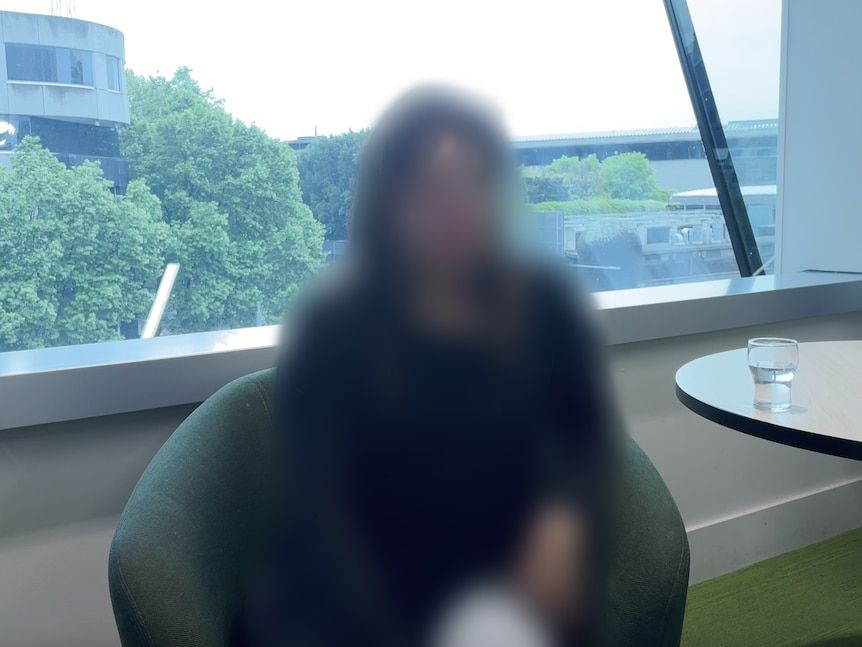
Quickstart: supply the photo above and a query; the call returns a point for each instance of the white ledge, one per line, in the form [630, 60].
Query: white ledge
[691, 308]
[74, 382]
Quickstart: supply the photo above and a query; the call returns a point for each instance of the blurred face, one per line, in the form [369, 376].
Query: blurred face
[447, 213]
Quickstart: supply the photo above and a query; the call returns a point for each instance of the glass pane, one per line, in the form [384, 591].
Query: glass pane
[24, 63]
[81, 67]
[50, 71]
[114, 69]
[65, 65]
[741, 45]
[248, 185]
[86, 63]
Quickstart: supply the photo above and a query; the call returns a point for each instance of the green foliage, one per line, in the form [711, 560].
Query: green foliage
[211, 193]
[626, 176]
[230, 194]
[601, 206]
[327, 169]
[244, 219]
[629, 176]
[581, 177]
[75, 260]
[543, 188]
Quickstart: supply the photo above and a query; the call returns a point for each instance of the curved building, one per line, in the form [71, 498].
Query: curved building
[63, 80]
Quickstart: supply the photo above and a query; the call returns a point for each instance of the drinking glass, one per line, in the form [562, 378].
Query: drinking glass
[772, 362]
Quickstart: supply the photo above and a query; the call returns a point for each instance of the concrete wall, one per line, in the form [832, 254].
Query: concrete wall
[742, 499]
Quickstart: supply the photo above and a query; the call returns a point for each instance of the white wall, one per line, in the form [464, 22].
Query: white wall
[820, 136]
[62, 487]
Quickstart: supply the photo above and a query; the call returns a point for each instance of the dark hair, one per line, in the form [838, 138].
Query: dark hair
[394, 149]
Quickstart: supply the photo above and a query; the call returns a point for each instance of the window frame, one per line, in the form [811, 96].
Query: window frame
[715, 144]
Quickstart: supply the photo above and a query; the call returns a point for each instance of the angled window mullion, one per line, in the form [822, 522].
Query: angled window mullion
[714, 139]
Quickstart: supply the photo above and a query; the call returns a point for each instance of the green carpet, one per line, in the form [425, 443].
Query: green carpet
[811, 597]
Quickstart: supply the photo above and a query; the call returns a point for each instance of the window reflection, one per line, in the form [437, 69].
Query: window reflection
[41, 64]
[115, 69]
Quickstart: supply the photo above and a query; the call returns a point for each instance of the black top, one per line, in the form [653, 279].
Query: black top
[412, 461]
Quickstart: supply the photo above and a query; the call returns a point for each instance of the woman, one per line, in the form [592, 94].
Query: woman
[442, 404]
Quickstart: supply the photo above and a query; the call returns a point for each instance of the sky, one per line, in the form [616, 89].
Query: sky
[551, 66]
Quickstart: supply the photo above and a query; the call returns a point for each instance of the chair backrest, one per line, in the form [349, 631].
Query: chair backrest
[183, 543]
[650, 559]
[190, 528]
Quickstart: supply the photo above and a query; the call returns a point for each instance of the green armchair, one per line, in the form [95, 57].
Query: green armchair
[192, 524]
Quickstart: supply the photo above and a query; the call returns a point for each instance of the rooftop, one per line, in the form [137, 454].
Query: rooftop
[757, 127]
[734, 129]
[747, 191]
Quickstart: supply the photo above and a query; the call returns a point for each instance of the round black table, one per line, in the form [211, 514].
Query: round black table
[826, 416]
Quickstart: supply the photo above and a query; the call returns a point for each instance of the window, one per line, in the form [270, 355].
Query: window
[245, 182]
[115, 70]
[740, 43]
[29, 63]
[49, 65]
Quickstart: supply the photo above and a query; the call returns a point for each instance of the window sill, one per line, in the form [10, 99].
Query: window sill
[52, 84]
[75, 382]
[675, 310]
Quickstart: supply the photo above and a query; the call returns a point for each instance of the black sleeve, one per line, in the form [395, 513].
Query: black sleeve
[585, 426]
[337, 578]
[584, 434]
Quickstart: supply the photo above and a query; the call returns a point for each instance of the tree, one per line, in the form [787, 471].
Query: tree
[201, 244]
[230, 193]
[75, 260]
[327, 170]
[626, 176]
[582, 178]
[545, 189]
[629, 176]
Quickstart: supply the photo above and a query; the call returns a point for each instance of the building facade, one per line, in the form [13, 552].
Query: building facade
[63, 80]
[675, 154]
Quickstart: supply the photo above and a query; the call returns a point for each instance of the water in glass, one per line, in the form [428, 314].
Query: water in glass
[772, 362]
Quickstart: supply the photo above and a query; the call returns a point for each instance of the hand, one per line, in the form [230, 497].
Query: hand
[489, 615]
[550, 570]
